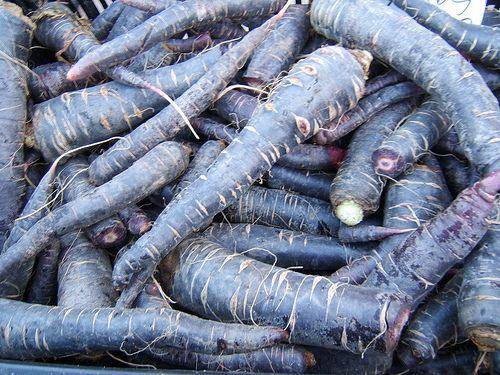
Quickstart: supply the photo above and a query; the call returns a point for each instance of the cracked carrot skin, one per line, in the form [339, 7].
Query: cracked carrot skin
[166, 124]
[74, 183]
[280, 49]
[98, 113]
[415, 137]
[217, 283]
[84, 277]
[414, 268]
[479, 294]
[16, 33]
[103, 23]
[163, 26]
[426, 59]
[357, 189]
[36, 331]
[43, 284]
[278, 126]
[477, 41]
[367, 107]
[160, 166]
[281, 359]
[285, 248]
[315, 185]
[281, 209]
[433, 326]
[410, 201]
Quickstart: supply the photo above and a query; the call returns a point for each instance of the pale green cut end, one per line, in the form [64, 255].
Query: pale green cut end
[349, 212]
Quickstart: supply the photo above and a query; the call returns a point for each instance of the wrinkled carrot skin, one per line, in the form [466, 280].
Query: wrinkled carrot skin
[281, 209]
[278, 126]
[214, 282]
[103, 23]
[161, 165]
[163, 26]
[367, 107]
[70, 330]
[74, 183]
[169, 121]
[412, 139]
[49, 81]
[281, 47]
[84, 276]
[477, 41]
[427, 60]
[97, 113]
[43, 285]
[285, 248]
[281, 359]
[16, 33]
[357, 180]
[433, 326]
[236, 107]
[315, 185]
[378, 83]
[479, 295]
[415, 267]
[410, 201]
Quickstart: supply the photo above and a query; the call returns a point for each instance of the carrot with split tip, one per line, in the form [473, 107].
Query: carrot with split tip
[426, 59]
[170, 121]
[158, 167]
[299, 105]
[173, 20]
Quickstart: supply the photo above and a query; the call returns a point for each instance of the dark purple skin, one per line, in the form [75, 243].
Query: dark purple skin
[314, 157]
[281, 359]
[192, 44]
[478, 302]
[16, 32]
[160, 166]
[156, 57]
[49, 81]
[128, 19]
[150, 6]
[151, 298]
[43, 285]
[458, 173]
[367, 107]
[357, 180]
[279, 50]
[390, 78]
[365, 232]
[169, 121]
[276, 128]
[329, 361]
[415, 267]
[480, 42]
[217, 283]
[226, 29]
[135, 219]
[212, 129]
[409, 202]
[74, 183]
[433, 326]
[426, 59]
[415, 137]
[84, 277]
[315, 42]
[236, 107]
[281, 209]
[285, 248]
[163, 26]
[315, 185]
[103, 23]
[71, 330]
[97, 113]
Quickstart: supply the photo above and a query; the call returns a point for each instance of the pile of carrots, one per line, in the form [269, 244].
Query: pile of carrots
[260, 186]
